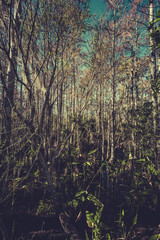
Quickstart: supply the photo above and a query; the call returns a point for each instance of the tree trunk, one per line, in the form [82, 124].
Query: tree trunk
[113, 92]
[8, 98]
[153, 79]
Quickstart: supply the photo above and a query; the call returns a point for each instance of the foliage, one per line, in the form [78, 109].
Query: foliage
[45, 208]
[137, 183]
[156, 32]
[143, 129]
[155, 237]
[92, 217]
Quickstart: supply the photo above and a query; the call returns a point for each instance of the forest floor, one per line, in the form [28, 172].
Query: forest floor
[27, 227]
[26, 219]
[145, 232]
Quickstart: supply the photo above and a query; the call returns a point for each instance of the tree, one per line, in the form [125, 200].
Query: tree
[39, 33]
[154, 77]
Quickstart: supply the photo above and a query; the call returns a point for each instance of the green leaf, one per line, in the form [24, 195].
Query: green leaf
[155, 237]
[81, 193]
[141, 160]
[123, 212]
[90, 219]
[87, 238]
[156, 20]
[108, 236]
[75, 203]
[88, 163]
[74, 163]
[95, 150]
[93, 199]
[155, 199]
[147, 192]
[36, 173]
[135, 220]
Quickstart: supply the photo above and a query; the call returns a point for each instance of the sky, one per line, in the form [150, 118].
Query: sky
[97, 7]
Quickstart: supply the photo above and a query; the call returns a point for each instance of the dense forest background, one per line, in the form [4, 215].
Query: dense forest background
[79, 120]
